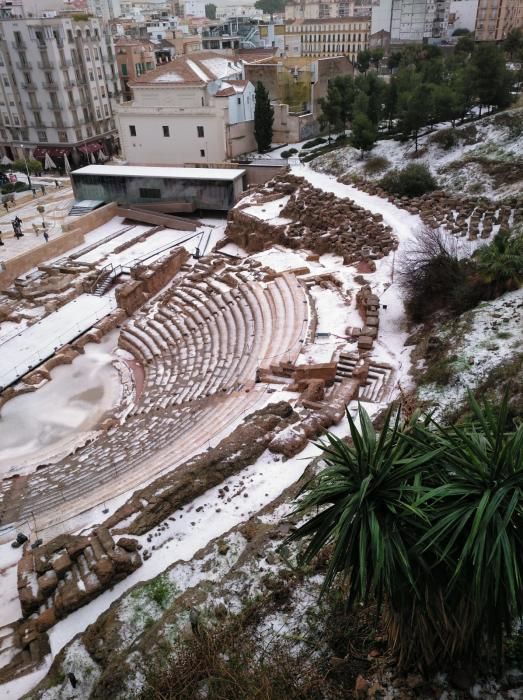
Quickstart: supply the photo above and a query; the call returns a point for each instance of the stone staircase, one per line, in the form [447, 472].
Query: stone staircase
[379, 380]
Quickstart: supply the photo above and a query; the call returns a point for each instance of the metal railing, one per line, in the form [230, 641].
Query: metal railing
[32, 361]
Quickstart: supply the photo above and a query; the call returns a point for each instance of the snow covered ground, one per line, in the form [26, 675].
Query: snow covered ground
[482, 339]
[37, 427]
[491, 138]
[34, 344]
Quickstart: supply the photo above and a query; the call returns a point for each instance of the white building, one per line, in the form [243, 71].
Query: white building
[159, 29]
[107, 10]
[194, 8]
[462, 15]
[195, 109]
[411, 20]
[57, 78]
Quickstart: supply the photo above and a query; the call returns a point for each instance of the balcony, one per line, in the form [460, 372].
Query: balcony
[19, 45]
[45, 65]
[65, 63]
[54, 107]
[24, 66]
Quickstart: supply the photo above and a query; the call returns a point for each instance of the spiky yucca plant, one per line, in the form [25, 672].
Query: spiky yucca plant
[428, 520]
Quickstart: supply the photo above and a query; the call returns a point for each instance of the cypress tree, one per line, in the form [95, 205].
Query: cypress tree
[263, 118]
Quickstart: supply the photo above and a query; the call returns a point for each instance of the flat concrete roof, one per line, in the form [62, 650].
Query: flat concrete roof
[227, 174]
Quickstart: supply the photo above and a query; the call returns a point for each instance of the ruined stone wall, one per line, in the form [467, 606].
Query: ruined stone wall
[32, 258]
[149, 280]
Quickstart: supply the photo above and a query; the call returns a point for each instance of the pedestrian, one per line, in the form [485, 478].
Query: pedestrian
[1, 241]
[6, 205]
[19, 228]
[42, 188]
[18, 220]
[46, 236]
[34, 192]
[15, 229]
[57, 184]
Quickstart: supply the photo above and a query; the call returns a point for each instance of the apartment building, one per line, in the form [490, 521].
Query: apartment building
[320, 9]
[57, 78]
[195, 109]
[496, 18]
[411, 21]
[329, 36]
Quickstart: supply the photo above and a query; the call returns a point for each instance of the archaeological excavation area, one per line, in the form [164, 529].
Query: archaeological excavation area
[149, 367]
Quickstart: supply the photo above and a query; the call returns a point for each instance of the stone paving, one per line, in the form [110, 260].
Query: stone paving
[57, 203]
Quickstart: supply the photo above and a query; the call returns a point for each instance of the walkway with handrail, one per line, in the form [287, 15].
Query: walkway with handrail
[32, 346]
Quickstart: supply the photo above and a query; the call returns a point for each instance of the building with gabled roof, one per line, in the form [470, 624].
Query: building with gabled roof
[197, 108]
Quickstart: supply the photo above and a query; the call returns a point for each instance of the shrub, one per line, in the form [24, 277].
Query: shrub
[500, 263]
[315, 142]
[289, 153]
[433, 277]
[8, 188]
[425, 519]
[445, 138]
[414, 180]
[376, 165]
[20, 186]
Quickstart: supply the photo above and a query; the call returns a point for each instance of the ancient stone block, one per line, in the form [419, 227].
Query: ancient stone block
[61, 564]
[47, 582]
[365, 342]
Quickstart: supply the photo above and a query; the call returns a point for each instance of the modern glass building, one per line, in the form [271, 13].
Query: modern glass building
[184, 189]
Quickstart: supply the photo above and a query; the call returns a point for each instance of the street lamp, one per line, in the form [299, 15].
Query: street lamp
[26, 166]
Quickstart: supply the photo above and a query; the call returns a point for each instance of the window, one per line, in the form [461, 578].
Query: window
[91, 76]
[199, 129]
[165, 130]
[6, 81]
[239, 100]
[202, 153]
[42, 136]
[132, 129]
[62, 136]
[38, 118]
[78, 134]
[123, 66]
[102, 90]
[106, 110]
[98, 113]
[70, 36]
[27, 78]
[149, 193]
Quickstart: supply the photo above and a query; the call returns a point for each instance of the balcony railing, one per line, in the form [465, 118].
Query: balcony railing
[45, 65]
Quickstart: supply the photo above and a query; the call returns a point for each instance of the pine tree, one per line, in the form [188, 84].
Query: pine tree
[364, 133]
[263, 118]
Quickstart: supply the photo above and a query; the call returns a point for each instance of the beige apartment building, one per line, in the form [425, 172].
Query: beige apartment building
[57, 81]
[496, 18]
[332, 36]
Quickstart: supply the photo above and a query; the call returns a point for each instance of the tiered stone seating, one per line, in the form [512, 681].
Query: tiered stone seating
[199, 343]
[201, 346]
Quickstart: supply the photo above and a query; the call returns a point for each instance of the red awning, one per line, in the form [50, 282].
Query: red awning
[40, 152]
[90, 147]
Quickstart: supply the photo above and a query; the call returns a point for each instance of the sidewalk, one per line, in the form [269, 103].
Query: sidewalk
[57, 203]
